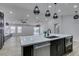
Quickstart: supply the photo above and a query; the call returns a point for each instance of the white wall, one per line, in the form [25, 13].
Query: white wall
[7, 17]
[70, 26]
[50, 24]
[46, 25]
[19, 13]
[13, 18]
[27, 30]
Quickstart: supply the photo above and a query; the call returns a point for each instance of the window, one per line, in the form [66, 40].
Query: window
[19, 29]
[13, 28]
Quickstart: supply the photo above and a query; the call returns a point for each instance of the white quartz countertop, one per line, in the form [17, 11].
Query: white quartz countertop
[35, 39]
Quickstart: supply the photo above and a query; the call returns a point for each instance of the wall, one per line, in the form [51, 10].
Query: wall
[46, 25]
[26, 31]
[70, 26]
[19, 13]
[50, 24]
[13, 18]
[7, 17]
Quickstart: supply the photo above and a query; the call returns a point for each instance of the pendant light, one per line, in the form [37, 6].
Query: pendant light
[47, 14]
[55, 16]
[23, 21]
[7, 23]
[36, 10]
[1, 15]
[76, 16]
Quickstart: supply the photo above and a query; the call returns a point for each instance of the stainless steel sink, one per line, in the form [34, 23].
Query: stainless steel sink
[52, 37]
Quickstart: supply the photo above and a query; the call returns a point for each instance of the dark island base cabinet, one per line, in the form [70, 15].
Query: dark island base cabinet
[57, 47]
[60, 48]
[27, 50]
[53, 48]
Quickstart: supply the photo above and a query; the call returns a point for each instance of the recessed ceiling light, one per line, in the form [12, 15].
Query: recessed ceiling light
[36, 17]
[46, 19]
[10, 12]
[28, 15]
[59, 10]
[49, 6]
[75, 6]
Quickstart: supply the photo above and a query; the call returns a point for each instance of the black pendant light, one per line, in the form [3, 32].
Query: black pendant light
[76, 16]
[47, 14]
[55, 16]
[23, 21]
[1, 15]
[7, 23]
[36, 10]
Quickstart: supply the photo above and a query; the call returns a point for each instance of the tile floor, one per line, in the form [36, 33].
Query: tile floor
[75, 49]
[12, 47]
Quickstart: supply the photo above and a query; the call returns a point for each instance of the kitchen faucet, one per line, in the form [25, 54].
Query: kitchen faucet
[47, 33]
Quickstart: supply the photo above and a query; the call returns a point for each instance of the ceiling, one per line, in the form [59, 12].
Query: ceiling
[66, 8]
[25, 10]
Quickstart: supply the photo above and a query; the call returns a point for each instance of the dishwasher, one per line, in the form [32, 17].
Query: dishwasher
[42, 49]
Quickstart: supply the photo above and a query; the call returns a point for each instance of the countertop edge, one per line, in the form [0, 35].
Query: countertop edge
[45, 41]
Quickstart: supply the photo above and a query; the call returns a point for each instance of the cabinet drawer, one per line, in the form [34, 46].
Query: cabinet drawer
[40, 45]
[43, 51]
[53, 42]
[53, 50]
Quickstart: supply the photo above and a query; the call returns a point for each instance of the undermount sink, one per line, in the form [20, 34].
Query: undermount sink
[52, 37]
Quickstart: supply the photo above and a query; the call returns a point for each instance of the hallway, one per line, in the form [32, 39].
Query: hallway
[11, 47]
[75, 49]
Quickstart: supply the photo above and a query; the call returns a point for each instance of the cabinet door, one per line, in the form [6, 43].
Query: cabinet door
[43, 51]
[60, 48]
[27, 50]
[53, 48]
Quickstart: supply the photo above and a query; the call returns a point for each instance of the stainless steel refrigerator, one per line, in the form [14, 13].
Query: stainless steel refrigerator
[1, 29]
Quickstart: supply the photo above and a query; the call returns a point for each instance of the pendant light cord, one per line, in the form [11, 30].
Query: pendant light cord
[54, 9]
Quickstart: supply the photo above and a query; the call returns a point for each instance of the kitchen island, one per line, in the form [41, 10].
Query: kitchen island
[59, 45]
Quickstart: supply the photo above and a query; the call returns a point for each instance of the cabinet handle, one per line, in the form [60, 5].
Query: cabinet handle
[41, 46]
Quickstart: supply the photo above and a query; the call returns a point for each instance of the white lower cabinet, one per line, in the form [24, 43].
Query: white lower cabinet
[42, 50]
